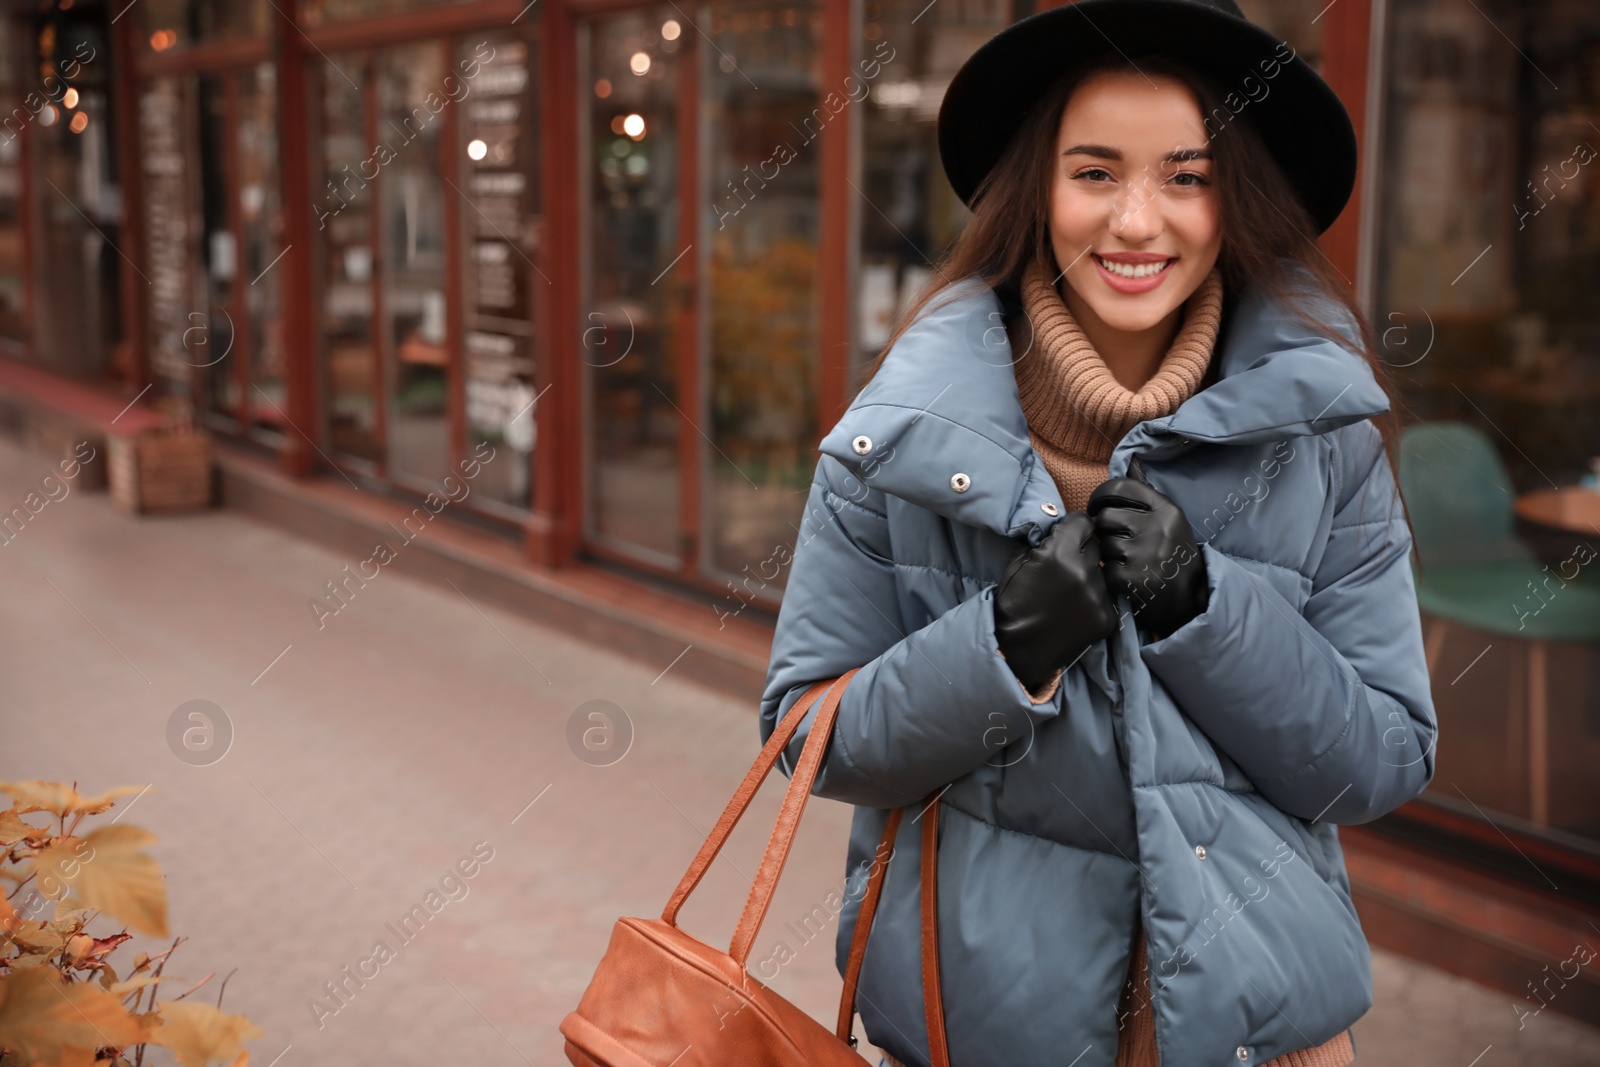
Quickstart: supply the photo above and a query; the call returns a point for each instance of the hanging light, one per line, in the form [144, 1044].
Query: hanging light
[639, 63]
[70, 98]
[670, 30]
[477, 149]
[79, 123]
[633, 126]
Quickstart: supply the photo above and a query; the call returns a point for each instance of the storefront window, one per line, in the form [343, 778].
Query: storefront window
[498, 194]
[764, 112]
[164, 130]
[170, 24]
[343, 209]
[321, 12]
[78, 202]
[908, 215]
[13, 287]
[1487, 269]
[631, 340]
[411, 244]
[213, 234]
[428, 231]
[261, 247]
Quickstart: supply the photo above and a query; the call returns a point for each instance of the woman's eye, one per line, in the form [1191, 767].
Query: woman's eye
[1092, 170]
[1199, 179]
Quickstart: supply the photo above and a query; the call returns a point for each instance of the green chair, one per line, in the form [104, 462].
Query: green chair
[1476, 573]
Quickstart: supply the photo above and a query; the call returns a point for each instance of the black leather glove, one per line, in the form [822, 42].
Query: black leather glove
[1052, 602]
[1150, 555]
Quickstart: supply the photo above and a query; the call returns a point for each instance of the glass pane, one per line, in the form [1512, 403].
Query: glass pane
[1487, 265]
[342, 208]
[412, 252]
[210, 344]
[908, 214]
[170, 24]
[763, 115]
[1298, 22]
[13, 291]
[261, 243]
[499, 212]
[632, 325]
[77, 263]
[166, 122]
[318, 12]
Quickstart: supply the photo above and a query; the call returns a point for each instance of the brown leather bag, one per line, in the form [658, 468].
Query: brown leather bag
[660, 998]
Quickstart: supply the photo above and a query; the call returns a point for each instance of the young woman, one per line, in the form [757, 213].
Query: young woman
[1113, 534]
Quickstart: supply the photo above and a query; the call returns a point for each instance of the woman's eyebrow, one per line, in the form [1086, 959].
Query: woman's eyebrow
[1100, 151]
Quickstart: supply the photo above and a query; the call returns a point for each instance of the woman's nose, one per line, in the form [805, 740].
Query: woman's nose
[1134, 214]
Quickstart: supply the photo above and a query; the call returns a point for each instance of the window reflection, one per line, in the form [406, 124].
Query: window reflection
[13, 325]
[170, 24]
[411, 100]
[497, 197]
[342, 208]
[78, 216]
[633, 301]
[1487, 266]
[261, 243]
[908, 214]
[764, 113]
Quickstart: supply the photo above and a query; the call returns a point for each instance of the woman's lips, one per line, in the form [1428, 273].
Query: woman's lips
[1132, 285]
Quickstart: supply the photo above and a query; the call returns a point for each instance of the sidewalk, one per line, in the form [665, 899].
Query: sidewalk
[419, 724]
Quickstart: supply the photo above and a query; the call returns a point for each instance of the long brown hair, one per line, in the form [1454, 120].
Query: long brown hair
[1263, 223]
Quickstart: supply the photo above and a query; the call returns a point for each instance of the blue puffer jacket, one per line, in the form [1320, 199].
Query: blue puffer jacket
[1193, 782]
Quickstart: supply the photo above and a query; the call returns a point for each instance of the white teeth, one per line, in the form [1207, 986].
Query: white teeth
[1142, 270]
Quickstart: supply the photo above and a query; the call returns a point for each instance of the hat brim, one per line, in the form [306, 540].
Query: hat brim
[1301, 119]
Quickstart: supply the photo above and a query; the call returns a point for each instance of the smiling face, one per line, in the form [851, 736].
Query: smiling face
[1133, 208]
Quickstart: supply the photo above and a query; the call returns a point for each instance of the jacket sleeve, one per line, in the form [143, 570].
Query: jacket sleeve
[927, 706]
[1329, 709]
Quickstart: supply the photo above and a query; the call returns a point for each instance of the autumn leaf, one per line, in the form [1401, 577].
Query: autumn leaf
[87, 953]
[48, 1021]
[198, 1033]
[107, 870]
[14, 829]
[39, 937]
[38, 795]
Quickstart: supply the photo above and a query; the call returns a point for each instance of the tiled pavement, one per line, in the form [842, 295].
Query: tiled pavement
[370, 756]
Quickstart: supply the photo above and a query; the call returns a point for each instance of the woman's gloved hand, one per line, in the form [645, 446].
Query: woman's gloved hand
[1150, 555]
[1052, 602]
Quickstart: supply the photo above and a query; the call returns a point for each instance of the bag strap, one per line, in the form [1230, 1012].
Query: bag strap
[858, 942]
[932, 997]
[794, 804]
[747, 789]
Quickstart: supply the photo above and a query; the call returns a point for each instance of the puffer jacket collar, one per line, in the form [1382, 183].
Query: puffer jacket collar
[948, 390]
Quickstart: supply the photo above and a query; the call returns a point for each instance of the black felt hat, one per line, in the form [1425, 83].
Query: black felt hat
[1264, 82]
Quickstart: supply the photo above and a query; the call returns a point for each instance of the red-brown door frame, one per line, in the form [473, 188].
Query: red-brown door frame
[556, 518]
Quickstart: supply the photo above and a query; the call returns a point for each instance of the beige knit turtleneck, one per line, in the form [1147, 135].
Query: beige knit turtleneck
[1076, 409]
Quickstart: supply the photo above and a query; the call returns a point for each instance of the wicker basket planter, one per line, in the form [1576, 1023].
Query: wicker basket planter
[161, 471]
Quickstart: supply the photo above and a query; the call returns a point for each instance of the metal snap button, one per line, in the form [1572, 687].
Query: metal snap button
[862, 445]
[960, 482]
[1049, 508]
[1243, 1054]
[1200, 852]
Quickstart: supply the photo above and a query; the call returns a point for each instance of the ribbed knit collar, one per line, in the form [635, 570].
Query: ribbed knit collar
[1075, 407]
